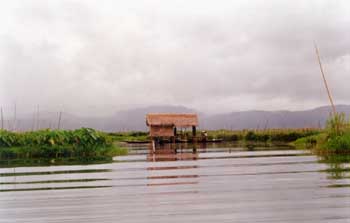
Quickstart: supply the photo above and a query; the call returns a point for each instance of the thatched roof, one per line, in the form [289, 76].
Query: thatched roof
[177, 120]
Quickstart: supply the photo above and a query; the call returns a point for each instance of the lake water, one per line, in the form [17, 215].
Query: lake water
[218, 183]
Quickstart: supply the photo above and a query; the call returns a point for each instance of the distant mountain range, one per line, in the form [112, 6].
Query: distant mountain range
[134, 119]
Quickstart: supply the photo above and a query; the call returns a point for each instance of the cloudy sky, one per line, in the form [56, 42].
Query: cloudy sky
[93, 56]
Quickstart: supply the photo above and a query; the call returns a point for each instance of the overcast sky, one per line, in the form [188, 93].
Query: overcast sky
[96, 57]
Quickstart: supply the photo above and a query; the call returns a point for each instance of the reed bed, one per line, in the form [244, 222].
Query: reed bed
[335, 139]
[129, 136]
[268, 135]
[264, 136]
[48, 143]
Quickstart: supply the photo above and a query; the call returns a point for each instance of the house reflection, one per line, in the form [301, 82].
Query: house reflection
[173, 152]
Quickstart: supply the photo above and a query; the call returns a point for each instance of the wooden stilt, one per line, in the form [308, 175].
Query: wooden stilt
[175, 133]
[194, 149]
[194, 133]
[153, 146]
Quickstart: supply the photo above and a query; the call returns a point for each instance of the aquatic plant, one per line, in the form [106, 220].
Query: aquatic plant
[268, 135]
[338, 144]
[338, 133]
[310, 142]
[129, 136]
[337, 125]
[84, 142]
[335, 139]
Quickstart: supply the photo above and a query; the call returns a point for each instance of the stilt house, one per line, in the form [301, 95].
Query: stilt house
[166, 125]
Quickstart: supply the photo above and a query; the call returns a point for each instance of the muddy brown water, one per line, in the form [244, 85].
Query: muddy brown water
[216, 183]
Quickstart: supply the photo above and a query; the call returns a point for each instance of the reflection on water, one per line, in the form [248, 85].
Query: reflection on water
[49, 161]
[339, 168]
[182, 183]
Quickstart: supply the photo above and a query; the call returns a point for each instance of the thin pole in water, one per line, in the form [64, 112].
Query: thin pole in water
[2, 119]
[14, 118]
[59, 120]
[324, 80]
[37, 119]
[266, 124]
[33, 123]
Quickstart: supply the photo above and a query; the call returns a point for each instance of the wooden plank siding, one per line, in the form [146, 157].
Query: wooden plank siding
[158, 131]
[163, 124]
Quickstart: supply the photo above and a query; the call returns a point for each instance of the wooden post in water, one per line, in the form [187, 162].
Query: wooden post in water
[59, 120]
[9, 124]
[2, 119]
[14, 118]
[33, 122]
[266, 124]
[37, 119]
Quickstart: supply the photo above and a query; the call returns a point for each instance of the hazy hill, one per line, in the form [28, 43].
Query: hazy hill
[272, 119]
[134, 119]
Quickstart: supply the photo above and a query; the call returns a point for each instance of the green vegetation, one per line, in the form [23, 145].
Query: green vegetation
[335, 139]
[262, 136]
[61, 145]
[83, 142]
[269, 136]
[21, 162]
[129, 136]
[247, 136]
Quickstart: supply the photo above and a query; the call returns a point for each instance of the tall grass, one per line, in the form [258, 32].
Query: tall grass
[335, 139]
[268, 135]
[338, 134]
[337, 125]
[129, 136]
[83, 142]
[337, 130]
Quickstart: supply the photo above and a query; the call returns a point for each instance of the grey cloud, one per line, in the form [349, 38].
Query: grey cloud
[74, 55]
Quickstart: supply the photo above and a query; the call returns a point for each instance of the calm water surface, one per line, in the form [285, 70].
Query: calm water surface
[220, 183]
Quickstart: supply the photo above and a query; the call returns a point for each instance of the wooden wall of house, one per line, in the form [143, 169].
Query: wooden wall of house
[157, 131]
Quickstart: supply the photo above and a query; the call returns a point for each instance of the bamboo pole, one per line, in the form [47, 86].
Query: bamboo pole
[59, 120]
[266, 124]
[33, 122]
[325, 81]
[15, 117]
[37, 119]
[9, 124]
[2, 119]
[18, 125]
